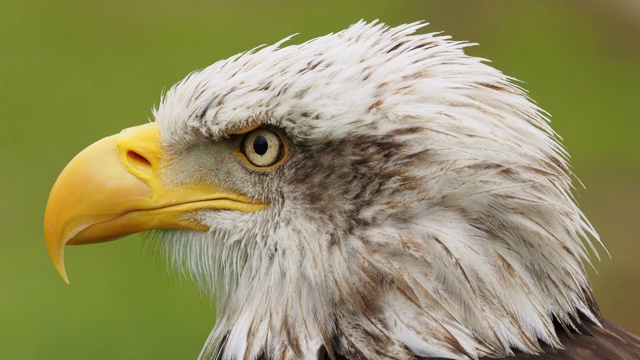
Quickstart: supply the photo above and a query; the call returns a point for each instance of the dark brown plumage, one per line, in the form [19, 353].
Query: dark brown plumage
[609, 342]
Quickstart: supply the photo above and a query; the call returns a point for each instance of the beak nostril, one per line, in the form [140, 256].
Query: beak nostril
[138, 161]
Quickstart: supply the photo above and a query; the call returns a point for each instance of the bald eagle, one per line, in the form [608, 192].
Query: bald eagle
[369, 194]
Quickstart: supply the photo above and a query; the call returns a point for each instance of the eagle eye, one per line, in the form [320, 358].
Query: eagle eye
[262, 147]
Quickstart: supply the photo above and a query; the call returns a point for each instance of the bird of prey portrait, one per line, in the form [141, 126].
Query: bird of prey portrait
[374, 193]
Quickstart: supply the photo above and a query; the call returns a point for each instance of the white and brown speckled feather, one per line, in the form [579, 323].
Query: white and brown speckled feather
[425, 208]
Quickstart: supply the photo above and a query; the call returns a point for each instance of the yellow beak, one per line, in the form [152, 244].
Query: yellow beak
[113, 188]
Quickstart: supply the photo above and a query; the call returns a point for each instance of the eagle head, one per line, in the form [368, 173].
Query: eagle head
[373, 193]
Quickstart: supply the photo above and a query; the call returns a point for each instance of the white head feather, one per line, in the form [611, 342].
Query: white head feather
[425, 208]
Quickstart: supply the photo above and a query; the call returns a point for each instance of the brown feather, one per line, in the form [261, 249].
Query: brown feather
[602, 343]
[609, 342]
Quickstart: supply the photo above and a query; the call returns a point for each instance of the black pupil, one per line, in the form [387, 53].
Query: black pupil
[260, 145]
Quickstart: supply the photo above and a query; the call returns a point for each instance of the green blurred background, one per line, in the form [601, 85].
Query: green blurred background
[72, 72]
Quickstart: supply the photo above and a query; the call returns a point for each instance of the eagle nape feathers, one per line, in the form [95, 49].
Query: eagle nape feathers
[369, 194]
